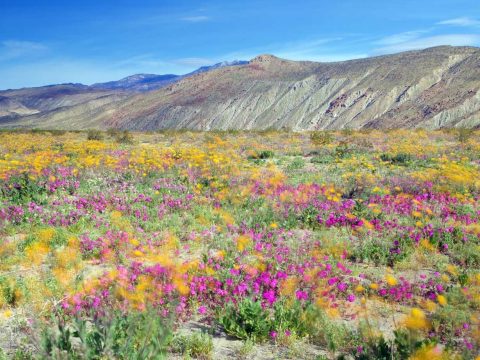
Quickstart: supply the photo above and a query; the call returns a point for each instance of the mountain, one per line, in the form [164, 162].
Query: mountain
[138, 82]
[47, 101]
[149, 82]
[218, 66]
[431, 88]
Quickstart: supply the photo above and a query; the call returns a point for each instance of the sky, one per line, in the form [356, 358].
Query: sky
[47, 42]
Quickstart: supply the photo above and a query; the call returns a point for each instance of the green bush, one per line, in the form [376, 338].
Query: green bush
[400, 159]
[94, 134]
[22, 189]
[124, 137]
[262, 155]
[321, 138]
[113, 133]
[247, 321]
[198, 345]
[463, 134]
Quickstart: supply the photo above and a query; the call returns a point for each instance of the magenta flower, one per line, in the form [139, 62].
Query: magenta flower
[301, 295]
[202, 310]
[270, 296]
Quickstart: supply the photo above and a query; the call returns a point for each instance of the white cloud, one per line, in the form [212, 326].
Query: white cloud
[430, 41]
[461, 21]
[195, 19]
[400, 38]
[12, 49]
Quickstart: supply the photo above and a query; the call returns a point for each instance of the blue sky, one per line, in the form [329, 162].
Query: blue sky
[45, 42]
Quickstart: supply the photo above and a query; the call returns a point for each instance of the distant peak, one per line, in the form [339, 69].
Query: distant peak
[264, 58]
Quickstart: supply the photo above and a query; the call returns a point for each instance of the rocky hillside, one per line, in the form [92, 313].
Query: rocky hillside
[432, 88]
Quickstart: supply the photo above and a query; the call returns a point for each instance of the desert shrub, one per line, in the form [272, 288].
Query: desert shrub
[296, 164]
[325, 332]
[250, 321]
[404, 345]
[57, 132]
[308, 217]
[262, 155]
[198, 345]
[321, 138]
[124, 137]
[94, 134]
[22, 189]
[400, 159]
[246, 321]
[464, 134]
[347, 132]
[342, 149]
[323, 159]
[113, 133]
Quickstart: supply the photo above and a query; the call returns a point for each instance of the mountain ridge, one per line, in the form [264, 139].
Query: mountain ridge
[431, 88]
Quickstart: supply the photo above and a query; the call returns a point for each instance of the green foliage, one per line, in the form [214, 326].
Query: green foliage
[323, 159]
[250, 321]
[292, 318]
[321, 138]
[134, 336]
[124, 137]
[246, 321]
[403, 346]
[198, 345]
[309, 217]
[113, 133]
[347, 131]
[464, 134]
[398, 159]
[94, 134]
[297, 164]
[342, 150]
[10, 290]
[262, 155]
[22, 189]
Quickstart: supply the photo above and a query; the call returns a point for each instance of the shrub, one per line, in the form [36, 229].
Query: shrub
[463, 134]
[22, 189]
[247, 321]
[342, 149]
[321, 138]
[262, 155]
[124, 137]
[94, 135]
[198, 345]
[400, 159]
[113, 133]
[296, 164]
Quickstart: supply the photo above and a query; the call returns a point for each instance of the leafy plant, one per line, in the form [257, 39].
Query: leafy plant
[22, 189]
[134, 336]
[246, 321]
[198, 345]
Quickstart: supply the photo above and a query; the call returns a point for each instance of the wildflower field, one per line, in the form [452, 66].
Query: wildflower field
[322, 245]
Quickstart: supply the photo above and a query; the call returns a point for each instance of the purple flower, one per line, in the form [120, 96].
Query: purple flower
[270, 296]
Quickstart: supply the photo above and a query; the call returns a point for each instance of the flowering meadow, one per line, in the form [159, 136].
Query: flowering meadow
[322, 245]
